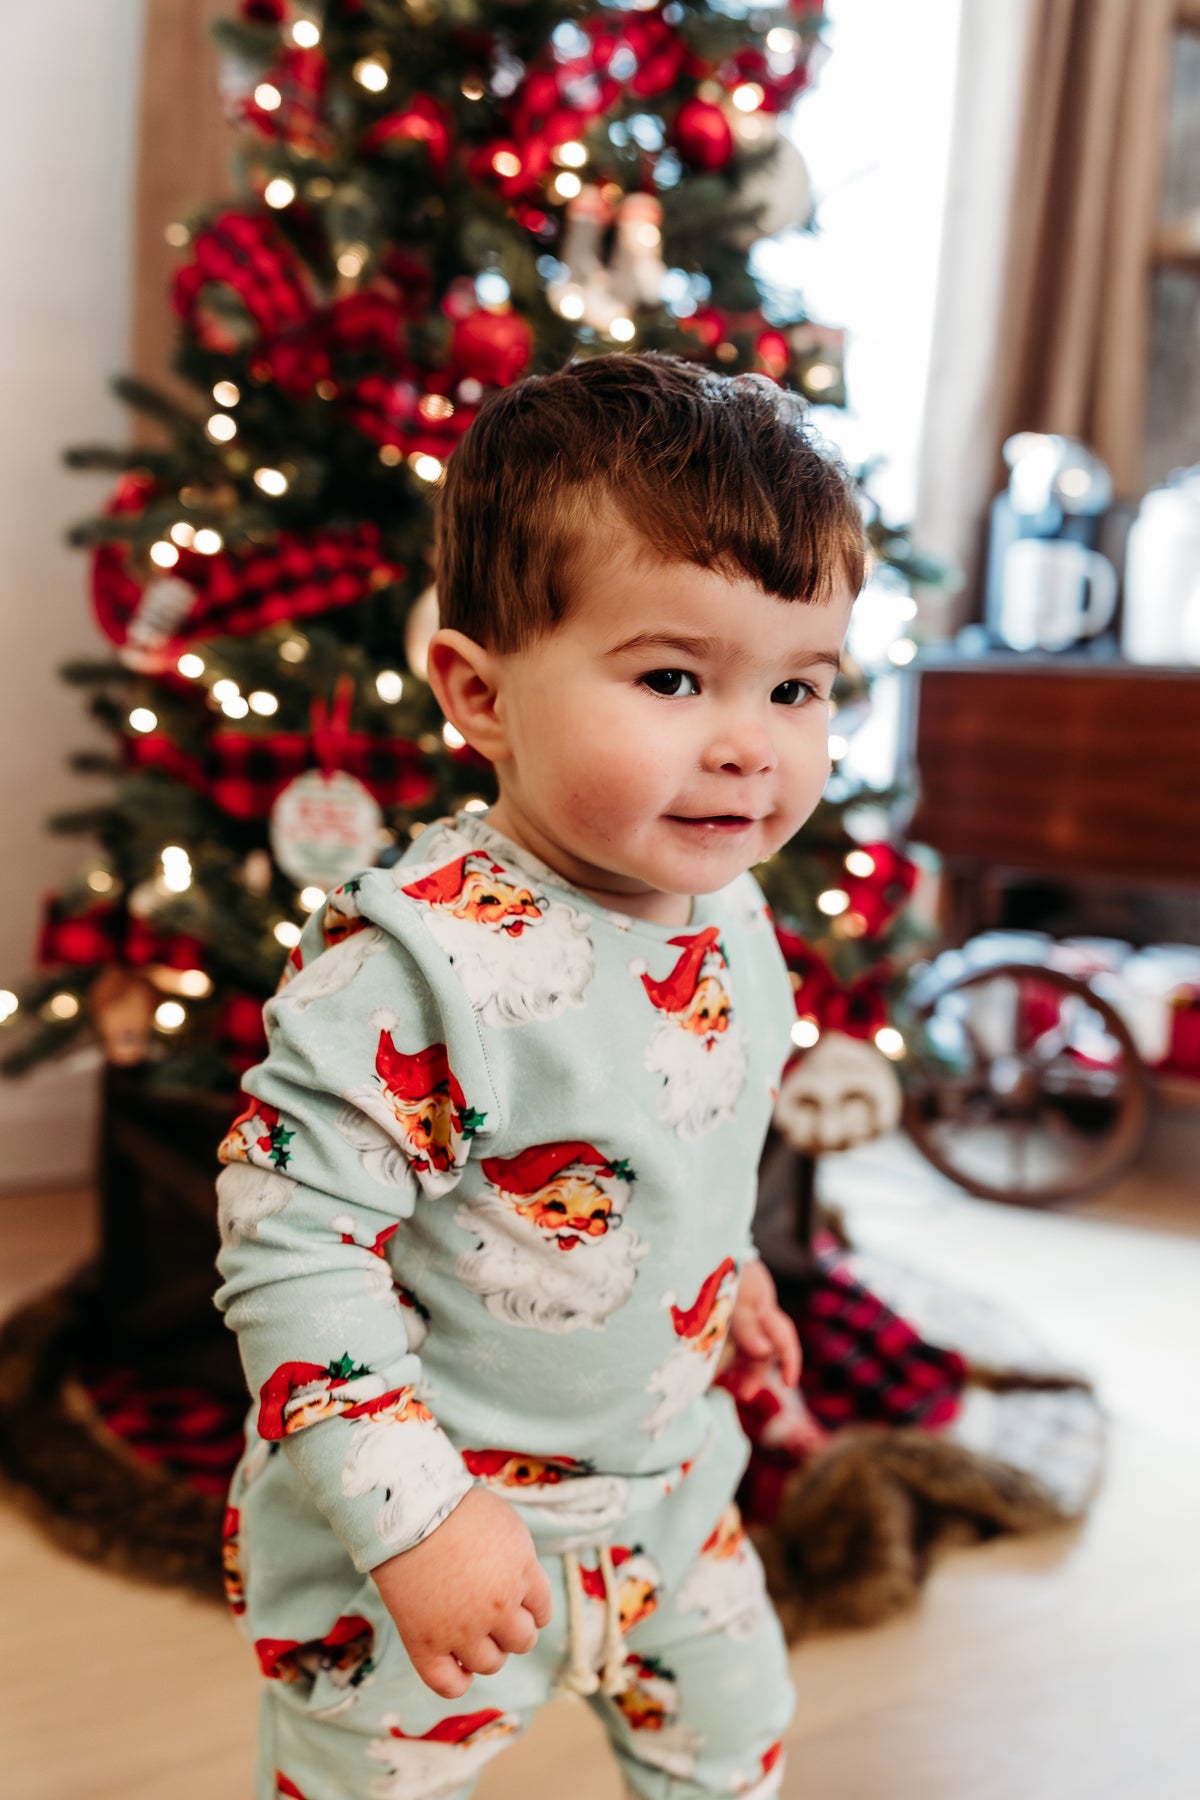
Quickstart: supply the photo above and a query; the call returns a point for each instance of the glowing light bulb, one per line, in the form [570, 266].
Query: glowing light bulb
[142, 719]
[208, 542]
[428, 468]
[263, 703]
[267, 96]
[287, 933]
[804, 1033]
[221, 428]
[902, 652]
[889, 1040]
[101, 882]
[176, 869]
[506, 163]
[572, 155]
[235, 707]
[389, 685]
[623, 330]
[271, 481]
[859, 862]
[780, 40]
[183, 534]
[293, 650]
[224, 690]
[473, 88]
[194, 983]
[351, 261]
[64, 1006]
[177, 235]
[820, 376]
[191, 666]
[571, 303]
[8, 1004]
[567, 185]
[226, 393]
[748, 97]
[311, 898]
[833, 901]
[454, 739]
[306, 34]
[371, 74]
[164, 555]
[838, 747]
[475, 805]
[491, 289]
[279, 192]
[906, 607]
[170, 1015]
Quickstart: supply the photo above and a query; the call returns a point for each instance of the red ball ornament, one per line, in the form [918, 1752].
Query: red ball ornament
[703, 135]
[422, 121]
[491, 347]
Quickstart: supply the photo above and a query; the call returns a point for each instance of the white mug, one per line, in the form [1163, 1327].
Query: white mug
[1054, 592]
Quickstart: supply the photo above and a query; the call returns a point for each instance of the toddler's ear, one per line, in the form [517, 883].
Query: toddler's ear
[464, 679]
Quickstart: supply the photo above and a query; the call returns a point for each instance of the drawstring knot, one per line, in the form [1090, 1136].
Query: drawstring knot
[580, 1676]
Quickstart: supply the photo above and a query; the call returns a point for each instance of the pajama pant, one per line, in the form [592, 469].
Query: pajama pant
[698, 1685]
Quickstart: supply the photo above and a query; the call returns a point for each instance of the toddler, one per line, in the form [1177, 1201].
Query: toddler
[486, 1217]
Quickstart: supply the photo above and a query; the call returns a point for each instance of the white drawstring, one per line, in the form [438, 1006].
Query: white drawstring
[580, 1676]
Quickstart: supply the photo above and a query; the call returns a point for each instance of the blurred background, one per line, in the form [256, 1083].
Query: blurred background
[265, 261]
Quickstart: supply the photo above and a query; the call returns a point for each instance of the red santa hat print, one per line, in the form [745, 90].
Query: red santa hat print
[674, 993]
[295, 1387]
[533, 1168]
[414, 1077]
[460, 1728]
[446, 884]
[689, 1321]
[276, 1656]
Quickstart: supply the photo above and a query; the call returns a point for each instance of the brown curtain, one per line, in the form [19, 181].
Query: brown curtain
[183, 161]
[1061, 341]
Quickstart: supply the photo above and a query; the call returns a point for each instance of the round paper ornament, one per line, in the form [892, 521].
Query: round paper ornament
[323, 828]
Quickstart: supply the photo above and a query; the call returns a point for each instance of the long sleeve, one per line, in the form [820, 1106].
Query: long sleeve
[374, 1091]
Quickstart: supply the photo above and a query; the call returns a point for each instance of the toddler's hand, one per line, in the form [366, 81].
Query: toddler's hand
[759, 1328]
[469, 1594]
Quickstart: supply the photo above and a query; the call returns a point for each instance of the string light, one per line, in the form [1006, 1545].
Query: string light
[491, 289]
[177, 235]
[572, 154]
[63, 1006]
[235, 707]
[267, 96]
[371, 74]
[352, 260]
[859, 862]
[221, 428]
[473, 88]
[183, 534]
[311, 898]
[263, 703]
[820, 376]
[833, 901]
[475, 804]
[190, 665]
[507, 163]
[271, 481]
[207, 541]
[176, 869]
[889, 1040]
[428, 468]
[838, 746]
[226, 393]
[170, 1015]
[293, 649]
[164, 555]
[194, 983]
[436, 406]
[781, 41]
[748, 97]
[279, 192]
[8, 1004]
[389, 685]
[906, 607]
[287, 934]
[224, 689]
[902, 652]
[101, 882]
[571, 303]
[567, 185]
[804, 1033]
[390, 455]
[453, 739]
[623, 330]
[306, 34]
[142, 719]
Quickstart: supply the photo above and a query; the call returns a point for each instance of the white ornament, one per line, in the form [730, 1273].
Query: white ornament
[323, 827]
[843, 1092]
[164, 605]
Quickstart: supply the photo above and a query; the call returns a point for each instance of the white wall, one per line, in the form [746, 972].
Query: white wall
[69, 78]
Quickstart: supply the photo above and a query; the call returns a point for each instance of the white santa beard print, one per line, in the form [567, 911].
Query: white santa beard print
[522, 1276]
[246, 1195]
[584, 1507]
[701, 1086]
[420, 1770]
[509, 979]
[727, 1591]
[683, 1377]
[334, 969]
[671, 1747]
[416, 1466]
[380, 1154]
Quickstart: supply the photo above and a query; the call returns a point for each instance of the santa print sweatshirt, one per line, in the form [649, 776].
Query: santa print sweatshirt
[483, 1213]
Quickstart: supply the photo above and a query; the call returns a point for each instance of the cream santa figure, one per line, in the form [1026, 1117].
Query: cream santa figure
[697, 1046]
[436, 1764]
[553, 1249]
[554, 1491]
[398, 1450]
[699, 1333]
[725, 1584]
[519, 955]
[649, 1703]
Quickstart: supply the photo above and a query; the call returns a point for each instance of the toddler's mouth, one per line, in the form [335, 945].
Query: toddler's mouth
[714, 821]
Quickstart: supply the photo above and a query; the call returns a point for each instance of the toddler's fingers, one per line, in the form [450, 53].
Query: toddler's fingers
[536, 1599]
[785, 1341]
[753, 1338]
[444, 1674]
[484, 1656]
[517, 1633]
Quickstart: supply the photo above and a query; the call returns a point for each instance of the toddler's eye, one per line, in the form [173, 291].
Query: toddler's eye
[670, 682]
[793, 693]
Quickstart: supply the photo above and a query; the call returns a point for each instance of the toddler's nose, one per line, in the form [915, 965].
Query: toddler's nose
[741, 747]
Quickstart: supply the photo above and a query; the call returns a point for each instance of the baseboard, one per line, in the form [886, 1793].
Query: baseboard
[49, 1122]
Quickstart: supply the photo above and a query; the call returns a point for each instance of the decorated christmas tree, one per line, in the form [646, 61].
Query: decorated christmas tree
[434, 197]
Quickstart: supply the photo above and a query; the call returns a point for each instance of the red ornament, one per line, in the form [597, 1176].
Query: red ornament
[702, 135]
[491, 347]
[422, 121]
[773, 352]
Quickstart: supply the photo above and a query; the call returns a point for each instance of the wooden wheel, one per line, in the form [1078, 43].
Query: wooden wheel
[1022, 1085]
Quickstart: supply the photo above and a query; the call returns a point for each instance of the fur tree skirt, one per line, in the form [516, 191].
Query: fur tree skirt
[925, 1418]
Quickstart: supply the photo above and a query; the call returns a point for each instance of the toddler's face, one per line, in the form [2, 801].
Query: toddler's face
[672, 732]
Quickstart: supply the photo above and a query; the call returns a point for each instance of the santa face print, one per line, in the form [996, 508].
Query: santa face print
[519, 955]
[439, 1762]
[649, 1703]
[299, 1394]
[258, 1134]
[700, 1332]
[696, 1044]
[567, 1210]
[398, 1451]
[669, 733]
[425, 1107]
[725, 1584]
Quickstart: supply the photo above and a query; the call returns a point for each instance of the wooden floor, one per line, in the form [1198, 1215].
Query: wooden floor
[1062, 1668]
